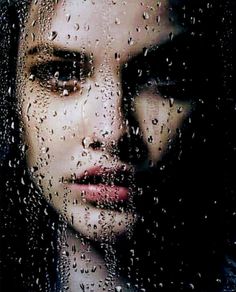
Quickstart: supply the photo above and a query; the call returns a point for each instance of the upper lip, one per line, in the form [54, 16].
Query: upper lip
[118, 176]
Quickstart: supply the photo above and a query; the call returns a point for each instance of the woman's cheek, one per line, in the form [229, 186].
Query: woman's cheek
[159, 120]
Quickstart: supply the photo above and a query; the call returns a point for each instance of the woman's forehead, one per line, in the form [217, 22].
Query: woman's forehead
[126, 26]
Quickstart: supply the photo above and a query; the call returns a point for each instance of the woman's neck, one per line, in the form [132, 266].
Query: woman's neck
[83, 267]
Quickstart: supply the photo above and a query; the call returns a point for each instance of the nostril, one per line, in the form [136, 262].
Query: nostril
[88, 142]
[96, 145]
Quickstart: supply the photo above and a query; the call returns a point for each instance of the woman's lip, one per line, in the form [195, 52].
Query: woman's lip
[100, 193]
[104, 171]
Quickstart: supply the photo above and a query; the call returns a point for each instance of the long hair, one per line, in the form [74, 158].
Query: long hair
[185, 220]
[28, 224]
[187, 223]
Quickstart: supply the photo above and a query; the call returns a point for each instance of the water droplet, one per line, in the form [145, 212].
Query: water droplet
[33, 37]
[56, 75]
[145, 15]
[65, 92]
[86, 141]
[22, 181]
[52, 35]
[68, 17]
[145, 51]
[76, 26]
[130, 41]
[82, 287]
[32, 77]
[191, 286]
[179, 110]
[117, 21]
[86, 27]
[156, 200]
[171, 35]
[155, 121]
[171, 101]
[117, 56]
[150, 139]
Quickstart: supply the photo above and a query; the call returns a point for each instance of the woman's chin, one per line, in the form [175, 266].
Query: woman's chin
[97, 224]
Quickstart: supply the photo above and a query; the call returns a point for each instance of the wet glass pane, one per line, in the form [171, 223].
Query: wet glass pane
[117, 126]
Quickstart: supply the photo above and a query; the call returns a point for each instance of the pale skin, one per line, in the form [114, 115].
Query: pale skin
[61, 123]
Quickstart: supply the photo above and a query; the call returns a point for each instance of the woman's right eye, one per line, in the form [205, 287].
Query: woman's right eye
[63, 77]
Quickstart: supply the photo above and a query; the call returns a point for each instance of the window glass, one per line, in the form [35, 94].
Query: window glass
[116, 146]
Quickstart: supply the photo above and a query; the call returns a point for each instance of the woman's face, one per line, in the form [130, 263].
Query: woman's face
[92, 109]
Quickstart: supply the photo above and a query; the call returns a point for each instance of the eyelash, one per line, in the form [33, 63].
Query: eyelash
[63, 77]
[66, 77]
[167, 81]
[167, 87]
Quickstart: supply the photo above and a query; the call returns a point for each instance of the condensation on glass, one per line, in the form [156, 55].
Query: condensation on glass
[114, 118]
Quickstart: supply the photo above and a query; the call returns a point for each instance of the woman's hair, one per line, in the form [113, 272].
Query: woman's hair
[28, 224]
[185, 224]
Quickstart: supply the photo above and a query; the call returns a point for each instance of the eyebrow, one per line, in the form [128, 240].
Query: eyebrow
[177, 42]
[180, 41]
[183, 43]
[57, 52]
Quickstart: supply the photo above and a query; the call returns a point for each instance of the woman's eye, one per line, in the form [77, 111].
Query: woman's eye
[167, 82]
[63, 77]
[174, 88]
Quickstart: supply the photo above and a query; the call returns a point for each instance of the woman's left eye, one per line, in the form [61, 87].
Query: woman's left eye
[63, 77]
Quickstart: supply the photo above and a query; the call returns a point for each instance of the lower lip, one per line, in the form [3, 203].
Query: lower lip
[102, 193]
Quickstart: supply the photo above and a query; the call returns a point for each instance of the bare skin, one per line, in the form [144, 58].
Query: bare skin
[64, 118]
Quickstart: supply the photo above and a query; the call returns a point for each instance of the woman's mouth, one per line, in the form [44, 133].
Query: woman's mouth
[101, 193]
[103, 185]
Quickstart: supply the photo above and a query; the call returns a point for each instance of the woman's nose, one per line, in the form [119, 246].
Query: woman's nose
[103, 119]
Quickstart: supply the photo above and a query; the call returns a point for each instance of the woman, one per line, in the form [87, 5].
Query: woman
[112, 101]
